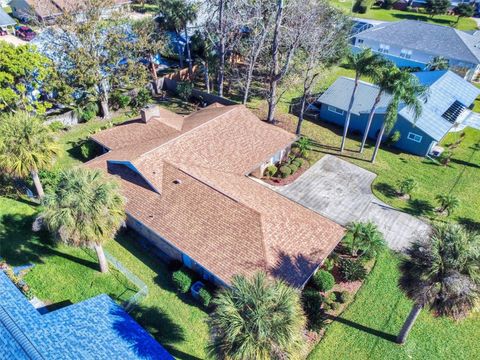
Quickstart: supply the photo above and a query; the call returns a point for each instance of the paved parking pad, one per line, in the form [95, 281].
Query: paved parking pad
[342, 192]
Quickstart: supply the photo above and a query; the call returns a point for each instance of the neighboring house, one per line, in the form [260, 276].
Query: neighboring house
[6, 22]
[97, 328]
[188, 190]
[446, 105]
[411, 43]
[47, 10]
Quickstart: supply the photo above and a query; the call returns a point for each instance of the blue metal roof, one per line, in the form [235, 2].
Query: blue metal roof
[444, 88]
[94, 329]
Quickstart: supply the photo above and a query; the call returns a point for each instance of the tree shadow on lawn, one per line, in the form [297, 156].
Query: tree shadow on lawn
[19, 245]
[378, 333]
[386, 189]
[469, 224]
[418, 207]
[423, 18]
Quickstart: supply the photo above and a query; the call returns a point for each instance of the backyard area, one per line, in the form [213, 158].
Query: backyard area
[376, 13]
[64, 275]
[371, 323]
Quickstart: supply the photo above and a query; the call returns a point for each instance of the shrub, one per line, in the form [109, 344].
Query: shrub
[343, 296]
[352, 270]
[329, 264]
[323, 280]
[332, 297]
[293, 167]
[205, 296]
[56, 126]
[50, 179]
[312, 306]
[388, 4]
[141, 100]
[184, 90]
[89, 149]
[119, 100]
[296, 162]
[88, 112]
[334, 306]
[285, 171]
[182, 280]
[271, 170]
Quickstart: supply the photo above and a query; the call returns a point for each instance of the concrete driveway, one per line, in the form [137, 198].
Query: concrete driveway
[342, 192]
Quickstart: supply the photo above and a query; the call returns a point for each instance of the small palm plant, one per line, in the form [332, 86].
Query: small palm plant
[85, 210]
[256, 318]
[364, 238]
[26, 147]
[303, 145]
[406, 187]
[448, 203]
[441, 272]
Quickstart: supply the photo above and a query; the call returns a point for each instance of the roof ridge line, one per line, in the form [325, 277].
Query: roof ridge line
[187, 132]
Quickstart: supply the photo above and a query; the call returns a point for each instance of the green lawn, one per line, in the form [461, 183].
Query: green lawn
[61, 273]
[367, 327]
[396, 15]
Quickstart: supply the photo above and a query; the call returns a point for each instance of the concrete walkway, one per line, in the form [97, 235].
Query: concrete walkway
[342, 192]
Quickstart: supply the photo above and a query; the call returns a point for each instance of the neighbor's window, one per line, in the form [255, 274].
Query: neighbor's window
[335, 110]
[360, 41]
[414, 137]
[384, 48]
[405, 53]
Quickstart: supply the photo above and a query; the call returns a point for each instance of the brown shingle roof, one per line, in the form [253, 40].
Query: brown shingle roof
[47, 8]
[217, 215]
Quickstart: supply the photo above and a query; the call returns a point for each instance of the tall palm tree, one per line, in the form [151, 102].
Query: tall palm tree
[26, 146]
[256, 318]
[365, 63]
[441, 272]
[405, 89]
[86, 210]
[177, 14]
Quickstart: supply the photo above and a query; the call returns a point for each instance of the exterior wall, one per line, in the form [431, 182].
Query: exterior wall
[279, 156]
[358, 123]
[68, 119]
[417, 58]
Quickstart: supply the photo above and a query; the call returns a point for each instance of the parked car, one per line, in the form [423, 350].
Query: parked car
[3, 32]
[25, 33]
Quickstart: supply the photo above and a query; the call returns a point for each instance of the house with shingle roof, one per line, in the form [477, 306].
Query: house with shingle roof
[410, 43]
[97, 328]
[47, 10]
[6, 21]
[189, 191]
[445, 106]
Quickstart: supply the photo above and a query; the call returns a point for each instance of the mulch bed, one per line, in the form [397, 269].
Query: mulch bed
[278, 181]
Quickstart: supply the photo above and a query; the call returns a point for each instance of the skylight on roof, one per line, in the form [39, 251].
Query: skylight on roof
[454, 111]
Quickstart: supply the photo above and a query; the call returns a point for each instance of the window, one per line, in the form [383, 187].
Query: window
[414, 137]
[384, 48]
[405, 53]
[335, 110]
[360, 41]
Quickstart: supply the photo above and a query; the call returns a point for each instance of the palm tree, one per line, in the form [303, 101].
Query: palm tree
[256, 318]
[404, 88]
[86, 210]
[441, 272]
[438, 63]
[176, 15]
[365, 63]
[26, 146]
[363, 237]
[447, 203]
